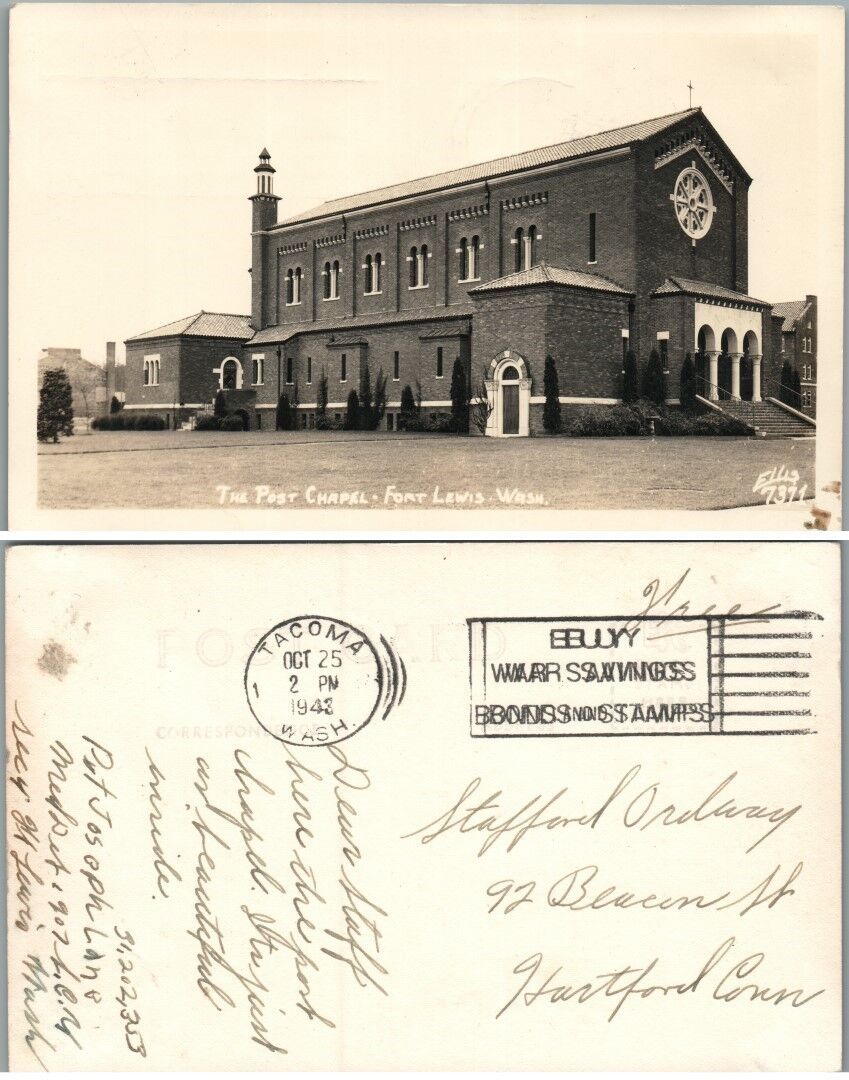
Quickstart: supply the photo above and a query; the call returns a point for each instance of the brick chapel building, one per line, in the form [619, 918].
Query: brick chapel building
[631, 238]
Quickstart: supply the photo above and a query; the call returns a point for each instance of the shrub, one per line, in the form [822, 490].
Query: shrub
[408, 409]
[630, 379]
[687, 395]
[440, 422]
[352, 413]
[285, 416]
[220, 406]
[55, 415]
[601, 420]
[321, 399]
[115, 405]
[653, 388]
[150, 423]
[206, 422]
[364, 416]
[234, 422]
[459, 398]
[551, 414]
[328, 423]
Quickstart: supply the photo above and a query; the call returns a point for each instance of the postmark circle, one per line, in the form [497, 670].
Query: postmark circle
[313, 680]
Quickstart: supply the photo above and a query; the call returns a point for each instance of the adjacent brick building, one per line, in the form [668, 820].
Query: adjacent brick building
[799, 345]
[632, 238]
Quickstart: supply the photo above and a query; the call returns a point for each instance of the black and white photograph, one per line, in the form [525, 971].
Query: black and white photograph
[276, 267]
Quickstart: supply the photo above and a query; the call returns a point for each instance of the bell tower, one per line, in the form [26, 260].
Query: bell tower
[264, 201]
[264, 216]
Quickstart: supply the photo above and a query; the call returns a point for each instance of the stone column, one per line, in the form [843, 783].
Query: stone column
[756, 377]
[713, 374]
[735, 376]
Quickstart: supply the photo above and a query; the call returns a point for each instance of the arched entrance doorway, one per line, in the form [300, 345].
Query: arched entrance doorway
[230, 374]
[509, 382]
[508, 388]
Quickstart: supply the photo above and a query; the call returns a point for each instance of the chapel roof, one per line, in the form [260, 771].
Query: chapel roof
[202, 324]
[455, 313]
[543, 274]
[584, 146]
[675, 286]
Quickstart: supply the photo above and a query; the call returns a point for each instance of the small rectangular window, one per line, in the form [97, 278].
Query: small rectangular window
[309, 369]
[396, 367]
[290, 369]
[344, 375]
[439, 371]
[390, 421]
[592, 258]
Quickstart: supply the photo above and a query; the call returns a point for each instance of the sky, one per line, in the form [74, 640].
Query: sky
[135, 130]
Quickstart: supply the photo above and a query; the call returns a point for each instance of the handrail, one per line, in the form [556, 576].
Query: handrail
[747, 408]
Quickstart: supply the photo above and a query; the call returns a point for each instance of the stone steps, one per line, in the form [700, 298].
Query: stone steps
[769, 419]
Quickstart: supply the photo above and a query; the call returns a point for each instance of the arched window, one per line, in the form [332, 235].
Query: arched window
[296, 286]
[290, 278]
[368, 276]
[334, 280]
[423, 261]
[519, 241]
[146, 373]
[414, 267]
[326, 275]
[474, 260]
[376, 282]
[464, 259]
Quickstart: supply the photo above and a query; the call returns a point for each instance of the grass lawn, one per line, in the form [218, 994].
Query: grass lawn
[187, 469]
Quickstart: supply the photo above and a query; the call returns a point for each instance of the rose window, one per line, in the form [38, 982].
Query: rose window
[693, 203]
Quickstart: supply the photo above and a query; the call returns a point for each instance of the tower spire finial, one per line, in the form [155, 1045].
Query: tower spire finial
[690, 88]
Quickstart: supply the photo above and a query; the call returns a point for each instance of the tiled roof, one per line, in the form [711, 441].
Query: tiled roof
[503, 166]
[673, 286]
[459, 328]
[791, 312]
[203, 324]
[543, 274]
[390, 318]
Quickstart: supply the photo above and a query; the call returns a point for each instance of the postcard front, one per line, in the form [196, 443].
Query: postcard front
[540, 293]
[424, 806]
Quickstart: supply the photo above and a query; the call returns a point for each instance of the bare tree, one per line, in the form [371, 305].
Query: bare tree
[481, 408]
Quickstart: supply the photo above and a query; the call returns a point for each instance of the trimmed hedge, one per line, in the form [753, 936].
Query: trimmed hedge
[123, 422]
[602, 421]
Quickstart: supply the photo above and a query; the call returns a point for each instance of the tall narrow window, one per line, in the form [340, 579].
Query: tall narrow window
[664, 353]
[309, 369]
[530, 247]
[376, 276]
[439, 368]
[259, 365]
[296, 286]
[326, 275]
[396, 366]
[519, 241]
[146, 373]
[344, 373]
[289, 286]
[290, 369]
[474, 258]
[334, 281]
[592, 258]
[368, 280]
[463, 267]
[423, 257]
[414, 267]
